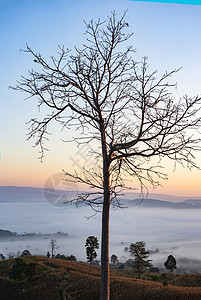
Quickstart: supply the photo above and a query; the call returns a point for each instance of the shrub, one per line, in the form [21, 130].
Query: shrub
[71, 257]
[155, 277]
[165, 283]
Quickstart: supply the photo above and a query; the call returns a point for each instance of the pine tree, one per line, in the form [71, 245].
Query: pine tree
[140, 262]
[91, 244]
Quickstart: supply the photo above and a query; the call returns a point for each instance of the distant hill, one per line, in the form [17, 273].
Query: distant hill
[152, 203]
[14, 194]
[2, 201]
[6, 234]
[193, 201]
[162, 197]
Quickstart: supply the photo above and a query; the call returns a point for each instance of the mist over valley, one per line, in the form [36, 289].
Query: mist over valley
[172, 227]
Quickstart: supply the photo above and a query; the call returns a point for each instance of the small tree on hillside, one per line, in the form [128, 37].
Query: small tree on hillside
[91, 244]
[141, 261]
[170, 263]
[114, 259]
[25, 252]
[2, 257]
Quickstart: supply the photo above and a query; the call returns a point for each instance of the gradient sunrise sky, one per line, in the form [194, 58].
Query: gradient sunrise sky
[169, 34]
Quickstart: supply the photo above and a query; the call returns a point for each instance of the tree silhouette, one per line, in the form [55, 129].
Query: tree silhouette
[53, 246]
[109, 98]
[91, 244]
[170, 263]
[2, 257]
[25, 252]
[141, 261]
[71, 257]
[114, 259]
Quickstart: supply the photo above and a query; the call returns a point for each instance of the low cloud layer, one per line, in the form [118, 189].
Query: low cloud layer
[175, 232]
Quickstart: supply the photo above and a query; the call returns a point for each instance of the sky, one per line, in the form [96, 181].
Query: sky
[169, 34]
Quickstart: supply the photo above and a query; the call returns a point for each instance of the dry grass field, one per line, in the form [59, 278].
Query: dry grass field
[55, 279]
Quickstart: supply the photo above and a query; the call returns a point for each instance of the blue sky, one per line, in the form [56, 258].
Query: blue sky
[169, 34]
[188, 2]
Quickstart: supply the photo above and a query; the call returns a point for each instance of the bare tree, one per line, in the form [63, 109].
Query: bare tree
[53, 246]
[108, 97]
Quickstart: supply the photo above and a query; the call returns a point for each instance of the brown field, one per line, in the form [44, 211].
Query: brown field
[56, 279]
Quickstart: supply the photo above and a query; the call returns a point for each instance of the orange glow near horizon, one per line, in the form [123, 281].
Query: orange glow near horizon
[179, 184]
[26, 170]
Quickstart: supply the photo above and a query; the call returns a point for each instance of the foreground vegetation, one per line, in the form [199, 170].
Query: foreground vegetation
[54, 279]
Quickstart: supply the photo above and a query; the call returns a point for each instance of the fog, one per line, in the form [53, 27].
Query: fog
[176, 232]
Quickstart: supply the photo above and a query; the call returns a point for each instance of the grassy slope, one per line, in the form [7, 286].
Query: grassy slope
[56, 279]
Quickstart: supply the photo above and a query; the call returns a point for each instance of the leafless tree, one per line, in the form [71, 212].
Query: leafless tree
[53, 246]
[101, 91]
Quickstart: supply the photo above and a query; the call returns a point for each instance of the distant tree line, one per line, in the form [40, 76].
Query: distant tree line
[4, 234]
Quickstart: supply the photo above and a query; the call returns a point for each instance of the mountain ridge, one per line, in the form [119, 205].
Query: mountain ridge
[16, 194]
[153, 203]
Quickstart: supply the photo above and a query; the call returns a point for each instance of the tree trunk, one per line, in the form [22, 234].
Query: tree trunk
[105, 273]
[139, 270]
